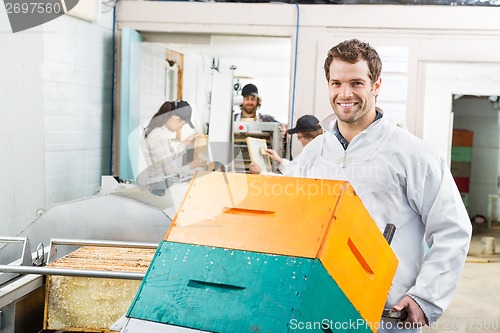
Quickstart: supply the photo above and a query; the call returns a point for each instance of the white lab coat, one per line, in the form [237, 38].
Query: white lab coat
[401, 180]
[163, 154]
[286, 167]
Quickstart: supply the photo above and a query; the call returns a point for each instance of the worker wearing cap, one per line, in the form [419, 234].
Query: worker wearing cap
[163, 152]
[307, 128]
[251, 103]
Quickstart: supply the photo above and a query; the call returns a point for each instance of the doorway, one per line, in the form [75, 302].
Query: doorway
[263, 61]
[461, 89]
[475, 161]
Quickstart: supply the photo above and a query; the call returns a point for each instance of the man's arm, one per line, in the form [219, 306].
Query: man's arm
[447, 233]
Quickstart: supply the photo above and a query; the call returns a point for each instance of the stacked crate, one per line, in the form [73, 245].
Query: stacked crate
[461, 157]
[251, 253]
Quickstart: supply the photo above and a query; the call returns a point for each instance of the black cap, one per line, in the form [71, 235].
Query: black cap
[250, 89]
[305, 123]
[184, 111]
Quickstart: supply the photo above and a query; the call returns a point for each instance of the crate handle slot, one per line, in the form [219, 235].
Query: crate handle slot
[247, 211]
[219, 287]
[359, 257]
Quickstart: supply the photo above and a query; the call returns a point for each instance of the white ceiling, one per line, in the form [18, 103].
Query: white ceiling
[257, 48]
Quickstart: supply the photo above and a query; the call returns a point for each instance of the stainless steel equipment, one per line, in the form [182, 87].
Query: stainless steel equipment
[271, 132]
[133, 215]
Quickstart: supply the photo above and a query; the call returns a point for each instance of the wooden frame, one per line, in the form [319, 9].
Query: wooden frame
[256, 149]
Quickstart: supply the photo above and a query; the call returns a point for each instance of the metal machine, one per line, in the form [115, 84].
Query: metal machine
[130, 217]
[271, 132]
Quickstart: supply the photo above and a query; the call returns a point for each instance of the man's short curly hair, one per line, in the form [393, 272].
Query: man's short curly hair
[352, 51]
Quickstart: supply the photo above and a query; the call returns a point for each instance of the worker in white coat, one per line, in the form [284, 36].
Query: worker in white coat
[162, 150]
[307, 128]
[400, 179]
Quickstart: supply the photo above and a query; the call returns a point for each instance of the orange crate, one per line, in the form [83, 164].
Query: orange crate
[462, 138]
[357, 243]
[299, 217]
[278, 215]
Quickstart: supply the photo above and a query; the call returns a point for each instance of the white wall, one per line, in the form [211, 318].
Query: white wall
[152, 80]
[77, 83]
[22, 170]
[55, 95]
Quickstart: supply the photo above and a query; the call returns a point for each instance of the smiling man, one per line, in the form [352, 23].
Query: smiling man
[251, 103]
[400, 180]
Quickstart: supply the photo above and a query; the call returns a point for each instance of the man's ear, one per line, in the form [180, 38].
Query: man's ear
[376, 86]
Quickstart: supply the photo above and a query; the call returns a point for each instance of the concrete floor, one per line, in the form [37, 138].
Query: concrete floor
[476, 304]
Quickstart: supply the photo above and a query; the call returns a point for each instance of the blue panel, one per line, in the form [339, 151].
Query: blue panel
[130, 85]
[220, 290]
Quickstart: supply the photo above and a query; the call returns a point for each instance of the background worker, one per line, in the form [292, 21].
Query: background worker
[251, 103]
[162, 150]
[400, 179]
[248, 113]
[306, 128]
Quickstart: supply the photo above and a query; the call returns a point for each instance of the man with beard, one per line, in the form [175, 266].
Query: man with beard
[251, 103]
[400, 179]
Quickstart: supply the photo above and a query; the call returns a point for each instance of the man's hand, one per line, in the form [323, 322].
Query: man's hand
[274, 155]
[415, 313]
[255, 168]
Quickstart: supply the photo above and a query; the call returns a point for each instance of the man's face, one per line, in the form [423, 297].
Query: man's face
[303, 141]
[250, 103]
[351, 92]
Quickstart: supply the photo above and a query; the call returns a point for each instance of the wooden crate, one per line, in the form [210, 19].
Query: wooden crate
[92, 304]
[310, 218]
[358, 257]
[322, 220]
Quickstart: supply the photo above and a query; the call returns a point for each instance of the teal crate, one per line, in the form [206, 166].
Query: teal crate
[220, 290]
[461, 154]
